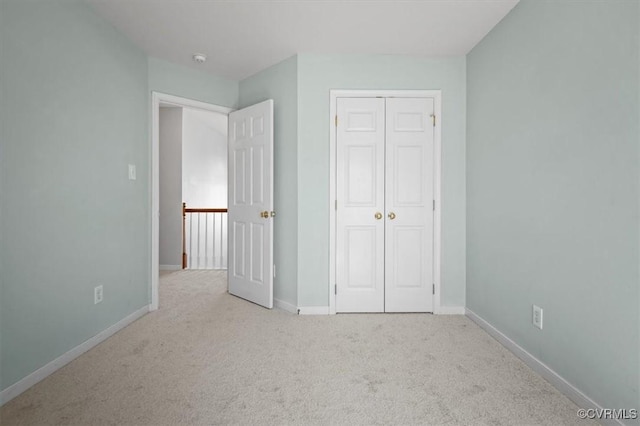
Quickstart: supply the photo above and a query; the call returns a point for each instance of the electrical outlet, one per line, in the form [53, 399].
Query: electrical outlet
[537, 316]
[97, 295]
[132, 171]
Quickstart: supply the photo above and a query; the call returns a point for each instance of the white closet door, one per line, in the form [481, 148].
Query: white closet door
[409, 205]
[360, 204]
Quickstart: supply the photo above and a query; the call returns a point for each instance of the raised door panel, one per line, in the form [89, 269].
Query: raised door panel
[238, 263]
[361, 258]
[360, 168]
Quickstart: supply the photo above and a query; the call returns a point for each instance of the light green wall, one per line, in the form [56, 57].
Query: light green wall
[280, 83]
[317, 75]
[172, 79]
[553, 191]
[74, 114]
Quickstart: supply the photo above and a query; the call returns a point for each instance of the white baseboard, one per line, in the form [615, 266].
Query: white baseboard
[450, 310]
[17, 388]
[170, 267]
[313, 310]
[570, 391]
[285, 306]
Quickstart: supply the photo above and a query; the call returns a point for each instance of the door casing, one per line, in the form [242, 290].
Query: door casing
[156, 99]
[436, 95]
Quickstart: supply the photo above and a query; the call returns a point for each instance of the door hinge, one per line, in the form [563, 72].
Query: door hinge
[335, 289]
[335, 205]
[274, 270]
[336, 121]
[434, 205]
[433, 117]
[433, 289]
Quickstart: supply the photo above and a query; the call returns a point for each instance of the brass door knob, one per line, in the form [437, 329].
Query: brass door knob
[264, 214]
[378, 215]
[392, 215]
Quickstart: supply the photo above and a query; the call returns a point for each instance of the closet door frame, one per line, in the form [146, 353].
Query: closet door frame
[436, 95]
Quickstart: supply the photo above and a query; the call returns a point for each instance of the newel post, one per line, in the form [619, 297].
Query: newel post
[184, 243]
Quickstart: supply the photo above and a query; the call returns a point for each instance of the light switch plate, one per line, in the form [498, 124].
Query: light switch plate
[132, 172]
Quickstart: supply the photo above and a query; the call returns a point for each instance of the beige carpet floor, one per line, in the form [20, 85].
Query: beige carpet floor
[206, 357]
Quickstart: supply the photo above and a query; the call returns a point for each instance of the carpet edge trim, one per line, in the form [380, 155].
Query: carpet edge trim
[313, 310]
[170, 267]
[285, 306]
[450, 310]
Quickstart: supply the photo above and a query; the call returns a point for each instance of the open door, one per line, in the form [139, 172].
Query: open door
[250, 216]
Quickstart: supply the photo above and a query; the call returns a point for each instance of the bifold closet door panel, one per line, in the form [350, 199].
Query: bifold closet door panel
[360, 216]
[409, 205]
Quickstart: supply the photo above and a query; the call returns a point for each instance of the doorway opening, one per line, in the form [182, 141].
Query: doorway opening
[250, 198]
[198, 240]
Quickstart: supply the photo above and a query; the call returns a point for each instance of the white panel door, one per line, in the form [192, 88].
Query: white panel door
[360, 205]
[250, 220]
[409, 205]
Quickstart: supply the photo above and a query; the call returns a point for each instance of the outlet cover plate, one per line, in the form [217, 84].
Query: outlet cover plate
[537, 316]
[97, 294]
[132, 171]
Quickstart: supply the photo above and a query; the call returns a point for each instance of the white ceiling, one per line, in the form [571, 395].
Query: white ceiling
[242, 37]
